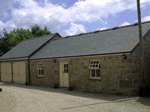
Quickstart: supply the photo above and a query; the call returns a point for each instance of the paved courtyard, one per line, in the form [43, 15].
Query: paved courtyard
[21, 98]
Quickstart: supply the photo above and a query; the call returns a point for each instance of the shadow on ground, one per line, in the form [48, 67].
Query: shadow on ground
[110, 98]
[75, 93]
[144, 100]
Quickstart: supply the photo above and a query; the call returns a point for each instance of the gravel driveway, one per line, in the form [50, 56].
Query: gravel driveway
[21, 98]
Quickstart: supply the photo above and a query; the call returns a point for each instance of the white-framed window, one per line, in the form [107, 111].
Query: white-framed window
[94, 67]
[40, 69]
[65, 68]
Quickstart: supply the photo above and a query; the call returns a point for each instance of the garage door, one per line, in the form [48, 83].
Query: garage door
[19, 72]
[6, 75]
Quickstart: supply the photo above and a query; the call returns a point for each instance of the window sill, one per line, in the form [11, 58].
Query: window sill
[97, 79]
[39, 76]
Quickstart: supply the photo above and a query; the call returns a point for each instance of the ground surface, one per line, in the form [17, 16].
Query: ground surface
[21, 98]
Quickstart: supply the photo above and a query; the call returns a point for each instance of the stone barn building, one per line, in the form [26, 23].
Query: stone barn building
[106, 61]
[14, 65]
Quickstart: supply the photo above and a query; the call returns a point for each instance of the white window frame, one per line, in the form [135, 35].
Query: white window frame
[66, 68]
[94, 68]
[39, 68]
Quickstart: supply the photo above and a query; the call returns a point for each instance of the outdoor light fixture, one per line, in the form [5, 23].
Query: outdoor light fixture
[54, 60]
[124, 56]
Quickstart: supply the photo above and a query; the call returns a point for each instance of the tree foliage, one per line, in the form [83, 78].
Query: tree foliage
[14, 37]
[37, 31]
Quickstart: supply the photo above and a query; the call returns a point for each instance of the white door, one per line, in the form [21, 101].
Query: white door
[64, 76]
[19, 72]
[6, 75]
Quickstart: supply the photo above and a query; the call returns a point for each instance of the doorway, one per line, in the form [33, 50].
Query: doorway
[64, 75]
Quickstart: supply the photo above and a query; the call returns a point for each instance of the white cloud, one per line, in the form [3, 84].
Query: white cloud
[146, 18]
[5, 5]
[43, 13]
[9, 25]
[75, 29]
[125, 24]
[102, 28]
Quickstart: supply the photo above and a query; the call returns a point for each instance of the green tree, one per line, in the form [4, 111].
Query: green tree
[1, 46]
[37, 31]
[9, 40]
[23, 33]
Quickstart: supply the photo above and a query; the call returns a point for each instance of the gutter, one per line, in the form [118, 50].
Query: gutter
[82, 55]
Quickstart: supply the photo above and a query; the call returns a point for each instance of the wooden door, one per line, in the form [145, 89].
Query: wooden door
[64, 75]
[6, 73]
[19, 72]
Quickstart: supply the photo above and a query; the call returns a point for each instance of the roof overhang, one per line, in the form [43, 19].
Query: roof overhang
[85, 56]
[14, 59]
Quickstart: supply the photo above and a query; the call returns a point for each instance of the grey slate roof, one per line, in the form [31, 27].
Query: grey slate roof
[27, 47]
[111, 41]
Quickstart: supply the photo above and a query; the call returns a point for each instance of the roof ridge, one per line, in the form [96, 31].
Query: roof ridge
[39, 37]
[36, 47]
[113, 28]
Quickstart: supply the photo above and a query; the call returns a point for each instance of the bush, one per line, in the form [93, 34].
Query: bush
[56, 86]
[144, 91]
[0, 89]
[70, 88]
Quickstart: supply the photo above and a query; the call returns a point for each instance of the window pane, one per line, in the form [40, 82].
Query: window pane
[42, 72]
[66, 70]
[93, 73]
[98, 73]
[94, 64]
[65, 65]
[39, 72]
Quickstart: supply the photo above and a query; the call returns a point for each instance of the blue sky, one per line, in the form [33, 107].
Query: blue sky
[70, 17]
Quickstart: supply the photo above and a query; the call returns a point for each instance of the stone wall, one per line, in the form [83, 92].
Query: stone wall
[51, 73]
[147, 57]
[136, 66]
[116, 75]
